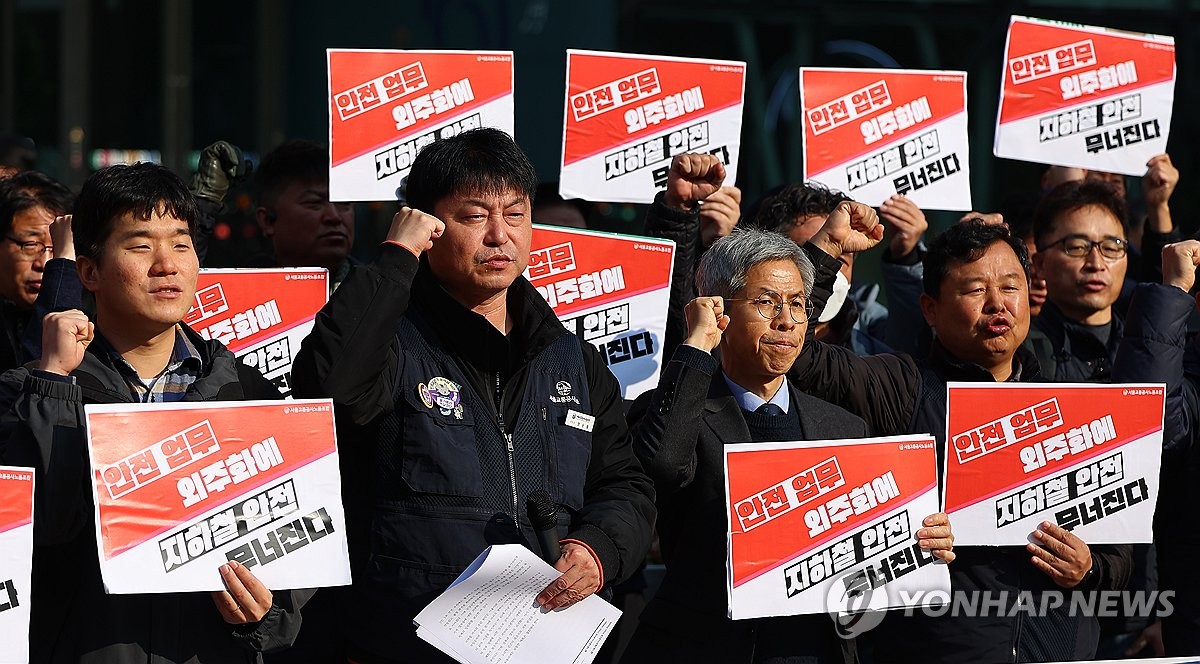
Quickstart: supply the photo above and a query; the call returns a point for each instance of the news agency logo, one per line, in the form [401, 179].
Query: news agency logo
[855, 608]
[858, 608]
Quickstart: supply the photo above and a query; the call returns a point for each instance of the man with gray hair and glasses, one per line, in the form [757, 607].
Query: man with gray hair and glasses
[753, 308]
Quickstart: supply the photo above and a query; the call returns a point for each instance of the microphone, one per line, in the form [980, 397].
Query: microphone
[540, 508]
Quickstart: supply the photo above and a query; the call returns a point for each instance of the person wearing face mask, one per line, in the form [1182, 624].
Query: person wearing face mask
[753, 311]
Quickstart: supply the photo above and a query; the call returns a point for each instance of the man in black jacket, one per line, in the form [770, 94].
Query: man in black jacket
[1083, 255]
[1155, 349]
[29, 203]
[754, 305]
[467, 395]
[976, 285]
[134, 226]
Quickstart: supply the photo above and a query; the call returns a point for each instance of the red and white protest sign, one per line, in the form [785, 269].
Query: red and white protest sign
[874, 133]
[628, 115]
[261, 315]
[611, 291]
[16, 561]
[182, 488]
[817, 527]
[1076, 95]
[1085, 457]
[385, 106]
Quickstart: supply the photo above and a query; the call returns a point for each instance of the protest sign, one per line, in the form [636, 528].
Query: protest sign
[1085, 457]
[1076, 95]
[182, 488]
[627, 115]
[874, 133]
[828, 526]
[261, 315]
[385, 106]
[16, 561]
[611, 291]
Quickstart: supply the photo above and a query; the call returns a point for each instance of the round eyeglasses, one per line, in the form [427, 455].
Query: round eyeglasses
[769, 305]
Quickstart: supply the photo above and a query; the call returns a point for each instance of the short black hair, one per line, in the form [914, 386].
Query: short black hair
[966, 242]
[777, 210]
[295, 161]
[1070, 196]
[483, 161]
[141, 189]
[30, 189]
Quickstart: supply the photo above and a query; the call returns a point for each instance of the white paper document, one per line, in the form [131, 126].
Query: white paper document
[489, 616]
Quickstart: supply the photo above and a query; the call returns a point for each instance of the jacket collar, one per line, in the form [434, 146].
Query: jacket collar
[535, 325]
[950, 368]
[1068, 342]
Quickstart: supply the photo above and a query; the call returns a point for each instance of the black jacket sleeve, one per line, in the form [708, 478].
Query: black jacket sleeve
[881, 389]
[61, 291]
[1151, 252]
[683, 228]
[42, 427]
[1152, 351]
[666, 422]
[1113, 566]
[352, 354]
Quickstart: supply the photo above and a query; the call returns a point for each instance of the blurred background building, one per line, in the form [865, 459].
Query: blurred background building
[94, 82]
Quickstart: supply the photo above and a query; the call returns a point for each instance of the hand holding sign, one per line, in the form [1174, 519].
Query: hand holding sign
[415, 230]
[853, 227]
[1060, 555]
[936, 537]
[692, 178]
[246, 600]
[65, 337]
[706, 322]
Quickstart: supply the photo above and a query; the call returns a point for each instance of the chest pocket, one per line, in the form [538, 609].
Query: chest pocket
[571, 450]
[437, 432]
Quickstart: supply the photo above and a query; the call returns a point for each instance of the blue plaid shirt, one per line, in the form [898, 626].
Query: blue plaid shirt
[182, 370]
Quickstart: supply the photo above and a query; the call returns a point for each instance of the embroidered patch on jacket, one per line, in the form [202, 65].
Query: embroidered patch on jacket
[444, 394]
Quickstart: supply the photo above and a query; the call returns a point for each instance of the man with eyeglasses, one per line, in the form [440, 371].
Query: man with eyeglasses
[29, 203]
[754, 310]
[976, 299]
[1083, 256]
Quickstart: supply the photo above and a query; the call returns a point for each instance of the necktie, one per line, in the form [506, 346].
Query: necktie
[769, 409]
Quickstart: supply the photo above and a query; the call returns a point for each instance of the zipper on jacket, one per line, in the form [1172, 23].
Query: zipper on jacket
[508, 443]
[1017, 637]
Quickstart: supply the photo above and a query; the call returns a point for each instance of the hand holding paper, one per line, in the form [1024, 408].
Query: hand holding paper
[580, 578]
[489, 615]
